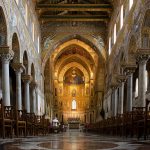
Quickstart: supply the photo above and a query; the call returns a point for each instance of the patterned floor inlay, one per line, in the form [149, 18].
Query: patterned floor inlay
[73, 140]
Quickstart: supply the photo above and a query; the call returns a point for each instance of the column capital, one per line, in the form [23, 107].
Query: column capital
[121, 78]
[6, 54]
[34, 84]
[114, 85]
[27, 78]
[18, 67]
[142, 55]
[142, 58]
[130, 68]
[114, 82]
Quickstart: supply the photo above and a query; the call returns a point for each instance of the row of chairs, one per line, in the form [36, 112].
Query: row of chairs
[17, 123]
[130, 124]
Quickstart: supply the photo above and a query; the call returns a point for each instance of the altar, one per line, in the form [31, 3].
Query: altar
[74, 123]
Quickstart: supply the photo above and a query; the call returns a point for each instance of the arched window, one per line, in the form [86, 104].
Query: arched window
[130, 4]
[33, 31]
[136, 87]
[145, 41]
[17, 1]
[121, 17]
[26, 14]
[114, 33]
[38, 44]
[109, 46]
[74, 104]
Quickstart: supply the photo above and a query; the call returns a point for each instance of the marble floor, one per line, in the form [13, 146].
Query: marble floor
[73, 140]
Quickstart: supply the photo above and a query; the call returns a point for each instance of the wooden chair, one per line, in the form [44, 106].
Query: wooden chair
[45, 125]
[20, 122]
[39, 123]
[30, 123]
[147, 120]
[6, 120]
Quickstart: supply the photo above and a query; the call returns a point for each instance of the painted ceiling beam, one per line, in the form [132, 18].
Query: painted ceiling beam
[74, 7]
[43, 21]
[50, 18]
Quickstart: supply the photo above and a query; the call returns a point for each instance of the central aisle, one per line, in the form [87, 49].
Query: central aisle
[72, 140]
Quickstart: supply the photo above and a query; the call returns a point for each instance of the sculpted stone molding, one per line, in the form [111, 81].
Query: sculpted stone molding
[121, 78]
[34, 84]
[114, 85]
[114, 82]
[6, 54]
[129, 68]
[27, 78]
[142, 55]
[18, 67]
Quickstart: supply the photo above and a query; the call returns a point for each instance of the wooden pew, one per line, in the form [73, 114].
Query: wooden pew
[119, 125]
[138, 121]
[134, 123]
[127, 124]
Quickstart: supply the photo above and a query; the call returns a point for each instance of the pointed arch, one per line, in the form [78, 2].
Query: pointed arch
[73, 64]
[74, 104]
[76, 39]
[132, 45]
[3, 28]
[33, 71]
[25, 62]
[16, 48]
[145, 35]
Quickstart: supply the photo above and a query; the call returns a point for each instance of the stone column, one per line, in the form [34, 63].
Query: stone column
[36, 94]
[121, 98]
[121, 79]
[129, 70]
[142, 56]
[27, 79]
[112, 103]
[116, 101]
[142, 81]
[6, 55]
[34, 97]
[18, 67]
[129, 92]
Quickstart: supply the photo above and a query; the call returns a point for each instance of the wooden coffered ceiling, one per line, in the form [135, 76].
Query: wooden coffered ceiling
[73, 10]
